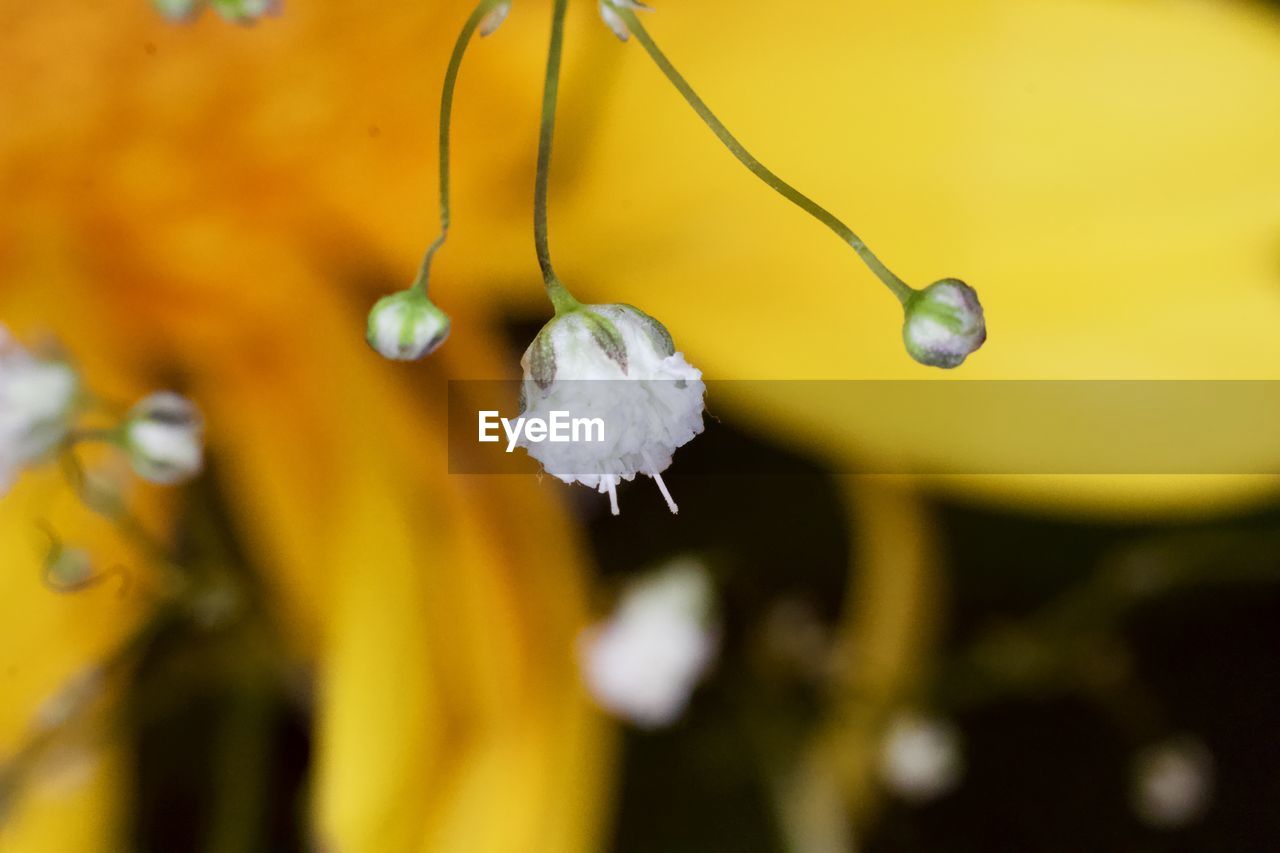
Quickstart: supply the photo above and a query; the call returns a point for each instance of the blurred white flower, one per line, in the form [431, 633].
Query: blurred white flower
[644, 661]
[617, 363]
[37, 401]
[944, 324]
[1172, 782]
[920, 757]
[164, 436]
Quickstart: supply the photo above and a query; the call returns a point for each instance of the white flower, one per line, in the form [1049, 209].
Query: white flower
[1172, 782]
[37, 401]
[920, 757]
[944, 323]
[613, 21]
[164, 436]
[643, 663]
[619, 364]
[406, 326]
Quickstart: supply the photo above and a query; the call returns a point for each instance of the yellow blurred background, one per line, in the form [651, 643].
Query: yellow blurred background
[214, 208]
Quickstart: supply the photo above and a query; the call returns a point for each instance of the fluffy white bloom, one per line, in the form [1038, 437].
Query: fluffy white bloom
[164, 436]
[406, 326]
[1172, 782]
[645, 660]
[920, 757]
[611, 18]
[944, 324]
[618, 364]
[37, 400]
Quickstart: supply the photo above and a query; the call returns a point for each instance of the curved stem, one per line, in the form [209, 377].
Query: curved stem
[897, 286]
[482, 10]
[560, 297]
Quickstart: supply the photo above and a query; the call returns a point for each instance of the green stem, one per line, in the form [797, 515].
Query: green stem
[897, 286]
[561, 299]
[483, 8]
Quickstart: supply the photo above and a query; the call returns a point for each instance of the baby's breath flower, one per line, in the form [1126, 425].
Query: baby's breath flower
[164, 436]
[644, 661]
[920, 757]
[944, 323]
[617, 363]
[37, 402]
[406, 326]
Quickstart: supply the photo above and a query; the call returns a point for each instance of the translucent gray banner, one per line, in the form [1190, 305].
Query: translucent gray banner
[908, 427]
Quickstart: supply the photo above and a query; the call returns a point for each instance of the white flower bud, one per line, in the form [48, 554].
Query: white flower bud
[944, 324]
[920, 757]
[611, 18]
[1172, 782]
[494, 19]
[37, 402]
[652, 405]
[644, 661]
[164, 436]
[68, 569]
[406, 326]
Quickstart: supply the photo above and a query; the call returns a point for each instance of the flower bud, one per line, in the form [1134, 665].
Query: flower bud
[490, 23]
[944, 324]
[68, 569]
[651, 405]
[164, 436]
[644, 661]
[406, 326]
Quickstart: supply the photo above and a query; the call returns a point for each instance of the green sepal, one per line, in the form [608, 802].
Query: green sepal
[542, 360]
[607, 337]
[658, 334]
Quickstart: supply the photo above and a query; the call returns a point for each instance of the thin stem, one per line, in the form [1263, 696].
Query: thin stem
[482, 10]
[560, 297]
[897, 286]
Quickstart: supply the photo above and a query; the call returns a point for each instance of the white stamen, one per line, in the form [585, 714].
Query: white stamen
[612, 484]
[662, 487]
